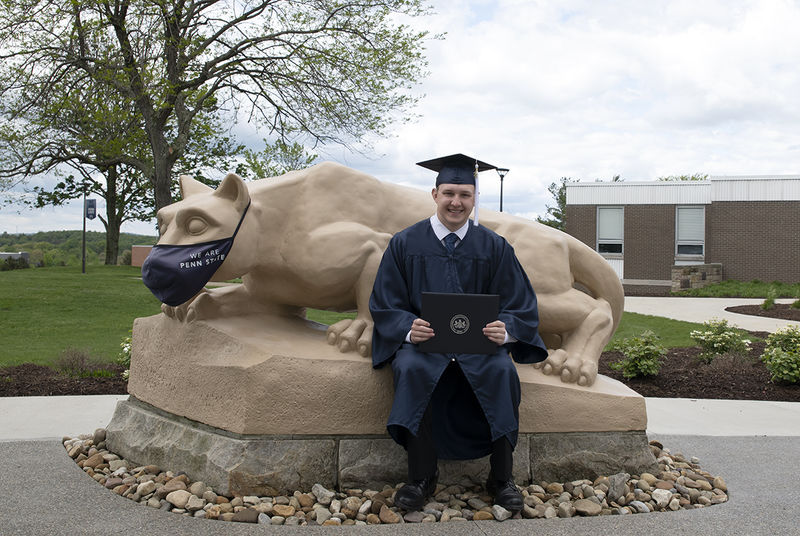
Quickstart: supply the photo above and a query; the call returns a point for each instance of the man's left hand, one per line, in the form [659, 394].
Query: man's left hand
[495, 332]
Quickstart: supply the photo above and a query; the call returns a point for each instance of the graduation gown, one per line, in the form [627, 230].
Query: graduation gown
[474, 398]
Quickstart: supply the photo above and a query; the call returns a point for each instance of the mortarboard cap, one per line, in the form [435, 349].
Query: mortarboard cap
[458, 169]
[455, 169]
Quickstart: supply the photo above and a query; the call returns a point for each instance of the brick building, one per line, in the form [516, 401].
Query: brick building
[662, 235]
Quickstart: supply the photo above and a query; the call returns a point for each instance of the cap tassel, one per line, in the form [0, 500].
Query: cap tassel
[477, 195]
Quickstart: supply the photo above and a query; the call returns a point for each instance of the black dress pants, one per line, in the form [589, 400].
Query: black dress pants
[422, 459]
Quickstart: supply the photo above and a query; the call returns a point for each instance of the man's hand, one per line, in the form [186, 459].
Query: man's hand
[420, 331]
[495, 332]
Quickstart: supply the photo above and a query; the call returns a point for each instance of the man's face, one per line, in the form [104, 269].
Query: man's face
[454, 204]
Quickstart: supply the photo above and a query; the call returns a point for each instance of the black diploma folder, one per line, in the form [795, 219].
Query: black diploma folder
[458, 321]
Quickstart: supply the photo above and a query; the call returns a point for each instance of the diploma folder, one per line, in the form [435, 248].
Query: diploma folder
[458, 321]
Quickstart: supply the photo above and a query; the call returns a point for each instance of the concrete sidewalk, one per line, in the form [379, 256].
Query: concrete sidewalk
[53, 417]
[702, 309]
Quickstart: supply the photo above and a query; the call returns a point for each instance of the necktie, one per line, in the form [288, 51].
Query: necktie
[450, 242]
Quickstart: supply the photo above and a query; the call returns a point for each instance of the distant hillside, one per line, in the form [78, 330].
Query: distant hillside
[54, 248]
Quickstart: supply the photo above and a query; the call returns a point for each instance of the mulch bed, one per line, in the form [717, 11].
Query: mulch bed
[38, 380]
[727, 377]
[784, 311]
[682, 375]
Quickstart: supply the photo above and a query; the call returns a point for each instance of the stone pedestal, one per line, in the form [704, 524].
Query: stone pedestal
[261, 404]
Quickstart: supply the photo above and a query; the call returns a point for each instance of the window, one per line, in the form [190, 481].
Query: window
[690, 231]
[610, 230]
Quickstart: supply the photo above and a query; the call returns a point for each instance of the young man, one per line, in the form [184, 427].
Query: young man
[453, 406]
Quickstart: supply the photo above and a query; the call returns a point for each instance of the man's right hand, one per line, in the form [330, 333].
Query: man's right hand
[420, 331]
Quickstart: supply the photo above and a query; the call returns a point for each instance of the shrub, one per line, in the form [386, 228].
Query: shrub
[643, 354]
[787, 339]
[782, 355]
[783, 366]
[719, 338]
[769, 302]
[124, 357]
[125, 258]
[79, 364]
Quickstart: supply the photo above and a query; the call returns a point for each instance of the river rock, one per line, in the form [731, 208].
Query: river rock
[662, 497]
[283, 510]
[324, 496]
[178, 498]
[195, 503]
[565, 509]
[388, 516]
[414, 517]
[247, 515]
[585, 507]
[618, 485]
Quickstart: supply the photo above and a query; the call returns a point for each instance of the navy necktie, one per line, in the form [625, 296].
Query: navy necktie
[450, 242]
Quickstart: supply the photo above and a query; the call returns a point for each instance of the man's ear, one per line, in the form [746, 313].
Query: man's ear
[234, 189]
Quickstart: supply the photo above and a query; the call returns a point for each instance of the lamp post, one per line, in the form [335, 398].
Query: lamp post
[502, 172]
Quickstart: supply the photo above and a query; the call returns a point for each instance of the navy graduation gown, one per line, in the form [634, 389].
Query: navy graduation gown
[474, 398]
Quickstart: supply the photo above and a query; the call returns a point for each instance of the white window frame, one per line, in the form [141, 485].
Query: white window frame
[696, 236]
[610, 240]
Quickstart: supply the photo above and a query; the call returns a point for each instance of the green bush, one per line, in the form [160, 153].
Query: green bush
[782, 355]
[125, 258]
[769, 302]
[719, 338]
[124, 358]
[78, 363]
[643, 354]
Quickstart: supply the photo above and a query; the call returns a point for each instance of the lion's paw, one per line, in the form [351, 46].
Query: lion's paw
[351, 335]
[570, 369]
[201, 306]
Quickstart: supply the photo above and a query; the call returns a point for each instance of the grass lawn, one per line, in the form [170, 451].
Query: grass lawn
[44, 311]
[744, 289]
[673, 333]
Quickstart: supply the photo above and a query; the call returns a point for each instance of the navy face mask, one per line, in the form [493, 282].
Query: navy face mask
[175, 273]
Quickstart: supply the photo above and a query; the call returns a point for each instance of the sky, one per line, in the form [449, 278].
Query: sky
[580, 89]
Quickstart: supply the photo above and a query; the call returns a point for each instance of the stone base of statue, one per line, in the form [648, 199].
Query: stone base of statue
[260, 405]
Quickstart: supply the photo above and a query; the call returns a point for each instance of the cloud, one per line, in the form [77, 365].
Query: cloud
[588, 90]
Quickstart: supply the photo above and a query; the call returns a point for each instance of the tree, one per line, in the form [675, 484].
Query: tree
[276, 159]
[694, 177]
[99, 136]
[615, 178]
[557, 213]
[329, 70]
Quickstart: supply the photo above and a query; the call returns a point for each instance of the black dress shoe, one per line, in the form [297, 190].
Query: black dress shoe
[505, 494]
[411, 497]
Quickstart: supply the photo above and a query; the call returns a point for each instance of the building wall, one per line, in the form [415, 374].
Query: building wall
[754, 239]
[752, 225]
[649, 243]
[139, 254]
[582, 223]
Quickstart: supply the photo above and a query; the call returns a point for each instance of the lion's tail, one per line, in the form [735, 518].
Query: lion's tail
[592, 272]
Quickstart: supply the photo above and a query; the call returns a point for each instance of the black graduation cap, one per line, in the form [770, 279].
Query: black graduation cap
[459, 169]
[455, 169]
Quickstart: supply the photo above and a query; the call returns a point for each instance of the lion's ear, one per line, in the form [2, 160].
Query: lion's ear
[190, 187]
[234, 189]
